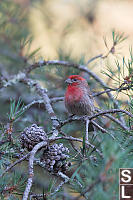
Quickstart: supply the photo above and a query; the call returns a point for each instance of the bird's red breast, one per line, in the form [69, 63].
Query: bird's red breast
[73, 93]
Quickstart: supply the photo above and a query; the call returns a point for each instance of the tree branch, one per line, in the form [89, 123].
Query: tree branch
[115, 120]
[31, 172]
[43, 93]
[76, 118]
[14, 164]
[113, 89]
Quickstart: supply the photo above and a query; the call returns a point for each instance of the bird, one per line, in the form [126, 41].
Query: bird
[78, 97]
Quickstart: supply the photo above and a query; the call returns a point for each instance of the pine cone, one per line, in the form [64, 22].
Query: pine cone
[32, 136]
[54, 158]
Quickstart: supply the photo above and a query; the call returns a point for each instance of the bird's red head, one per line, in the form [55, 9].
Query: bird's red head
[75, 80]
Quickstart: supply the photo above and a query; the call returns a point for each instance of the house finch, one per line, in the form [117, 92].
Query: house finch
[78, 99]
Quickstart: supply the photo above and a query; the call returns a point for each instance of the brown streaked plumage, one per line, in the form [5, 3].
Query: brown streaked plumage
[78, 99]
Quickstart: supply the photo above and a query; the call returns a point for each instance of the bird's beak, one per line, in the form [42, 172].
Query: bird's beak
[68, 81]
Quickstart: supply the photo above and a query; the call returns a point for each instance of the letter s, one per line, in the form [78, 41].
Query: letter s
[125, 174]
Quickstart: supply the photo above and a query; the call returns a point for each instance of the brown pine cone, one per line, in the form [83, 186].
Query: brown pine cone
[55, 158]
[32, 136]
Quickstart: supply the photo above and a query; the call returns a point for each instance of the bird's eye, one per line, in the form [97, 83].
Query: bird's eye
[74, 79]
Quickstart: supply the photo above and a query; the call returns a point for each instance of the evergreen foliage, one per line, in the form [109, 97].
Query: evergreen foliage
[92, 175]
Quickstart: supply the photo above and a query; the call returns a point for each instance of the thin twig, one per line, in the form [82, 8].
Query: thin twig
[110, 111]
[117, 121]
[76, 118]
[31, 172]
[65, 178]
[87, 126]
[113, 90]
[94, 58]
[40, 101]
[72, 144]
[99, 127]
[14, 164]
[56, 99]
[114, 119]
[78, 140]
[59, 187]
